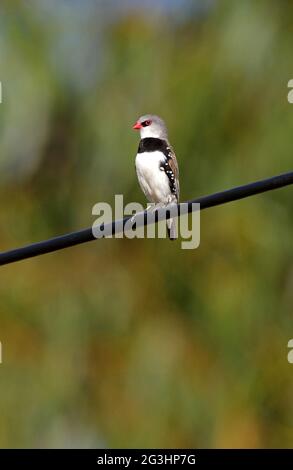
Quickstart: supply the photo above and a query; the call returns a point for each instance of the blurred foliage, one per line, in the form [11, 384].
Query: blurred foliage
[137, 343]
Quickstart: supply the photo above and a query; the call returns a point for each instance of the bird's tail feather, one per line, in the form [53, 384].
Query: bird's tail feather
[172, 229]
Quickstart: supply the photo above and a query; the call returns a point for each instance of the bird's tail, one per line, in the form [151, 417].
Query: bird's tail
[172, 229]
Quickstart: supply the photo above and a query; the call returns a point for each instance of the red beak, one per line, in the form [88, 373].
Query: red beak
[137, 125]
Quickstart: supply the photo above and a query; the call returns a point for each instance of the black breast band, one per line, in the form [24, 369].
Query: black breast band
[152, 144]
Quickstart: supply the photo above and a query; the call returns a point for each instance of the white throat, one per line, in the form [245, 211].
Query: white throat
[149, 132]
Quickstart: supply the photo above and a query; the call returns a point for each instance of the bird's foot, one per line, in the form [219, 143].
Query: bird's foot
[161, 205]
[150, 208]
[132, 219]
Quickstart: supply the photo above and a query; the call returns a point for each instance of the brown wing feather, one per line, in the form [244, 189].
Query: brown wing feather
[172, 160]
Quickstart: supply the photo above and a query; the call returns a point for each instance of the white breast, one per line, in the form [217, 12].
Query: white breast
[153, 181]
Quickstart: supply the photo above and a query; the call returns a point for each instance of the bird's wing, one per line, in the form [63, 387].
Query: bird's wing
[173, 166]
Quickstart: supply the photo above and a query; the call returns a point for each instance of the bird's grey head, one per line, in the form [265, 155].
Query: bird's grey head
[151, 125]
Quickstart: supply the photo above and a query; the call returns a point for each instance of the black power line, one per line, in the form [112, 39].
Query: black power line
[86, 235]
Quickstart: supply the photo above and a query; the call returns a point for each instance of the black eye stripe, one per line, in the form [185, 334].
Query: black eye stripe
[146, 123]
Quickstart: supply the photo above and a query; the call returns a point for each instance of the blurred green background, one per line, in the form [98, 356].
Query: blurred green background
[138, 343]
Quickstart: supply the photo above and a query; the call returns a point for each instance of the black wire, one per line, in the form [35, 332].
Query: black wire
[86, 235]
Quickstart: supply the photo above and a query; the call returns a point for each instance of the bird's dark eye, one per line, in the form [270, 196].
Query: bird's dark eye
[146, 123]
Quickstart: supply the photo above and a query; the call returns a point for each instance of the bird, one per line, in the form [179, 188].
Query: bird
[156, 165]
